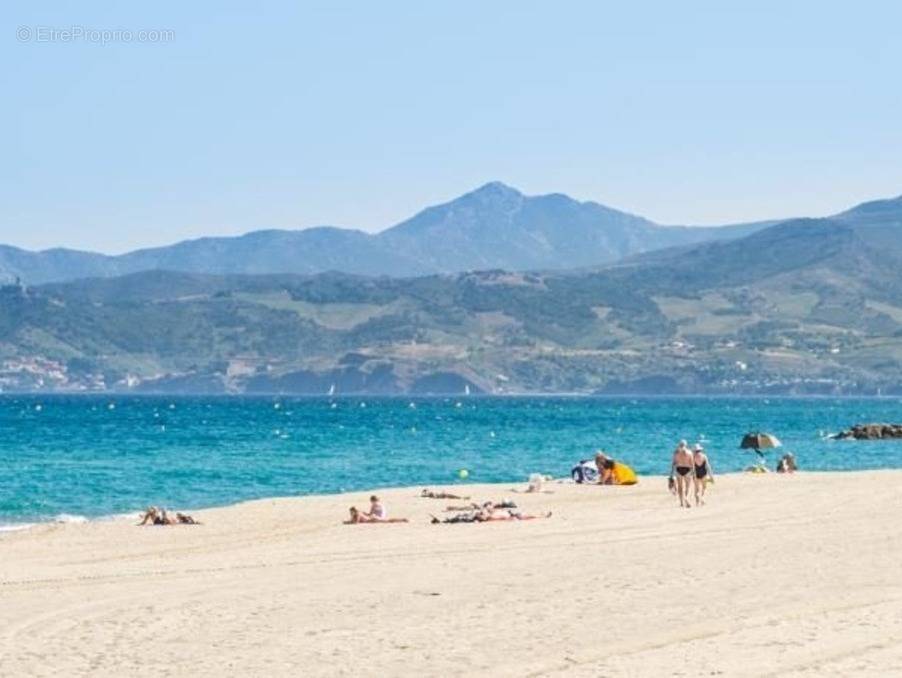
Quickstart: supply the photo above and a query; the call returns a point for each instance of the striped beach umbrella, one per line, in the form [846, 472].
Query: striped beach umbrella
[759, 441]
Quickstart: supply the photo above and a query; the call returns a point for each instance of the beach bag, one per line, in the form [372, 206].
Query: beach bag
[584, 472]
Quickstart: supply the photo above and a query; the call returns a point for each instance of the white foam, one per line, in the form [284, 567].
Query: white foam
[69, 519]
[16, 528]
[113, 517]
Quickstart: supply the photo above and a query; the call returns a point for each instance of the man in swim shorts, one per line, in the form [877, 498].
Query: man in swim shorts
[682, 464]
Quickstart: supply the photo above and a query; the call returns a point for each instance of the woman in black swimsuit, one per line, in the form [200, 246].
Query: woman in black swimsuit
[703, 472]
[682, 464]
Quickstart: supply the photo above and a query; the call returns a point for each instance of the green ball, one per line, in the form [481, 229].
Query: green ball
[463, 474]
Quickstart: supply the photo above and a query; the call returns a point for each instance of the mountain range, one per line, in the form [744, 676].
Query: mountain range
[797, 306]
[494, 226]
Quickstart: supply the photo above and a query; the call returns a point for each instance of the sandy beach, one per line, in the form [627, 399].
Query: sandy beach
[776, 576]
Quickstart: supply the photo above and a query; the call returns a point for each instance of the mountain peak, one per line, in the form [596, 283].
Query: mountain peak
[493, 226]
[495, 189]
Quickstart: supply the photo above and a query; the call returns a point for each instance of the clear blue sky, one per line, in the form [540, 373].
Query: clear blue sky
[293, 114]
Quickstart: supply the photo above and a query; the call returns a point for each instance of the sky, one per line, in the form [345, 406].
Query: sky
[152, 122]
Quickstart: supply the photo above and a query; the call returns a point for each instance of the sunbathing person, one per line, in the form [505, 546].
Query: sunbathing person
[156, 516]
[150, 515]
[506, 504]
[376, 514]
[429, 494]
[605, 466]
[159, 516]
[787, 463]
[491, 516]
[458, 518]
[486, 514]
[377, 510]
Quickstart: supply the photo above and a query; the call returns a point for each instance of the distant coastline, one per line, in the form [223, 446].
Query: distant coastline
[451, 396]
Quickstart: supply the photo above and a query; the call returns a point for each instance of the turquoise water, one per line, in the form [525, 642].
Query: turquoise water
[96, 456]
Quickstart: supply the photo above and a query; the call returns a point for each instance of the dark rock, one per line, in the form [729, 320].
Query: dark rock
[871, 432]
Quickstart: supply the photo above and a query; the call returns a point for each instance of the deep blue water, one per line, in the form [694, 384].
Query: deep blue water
[95, 456]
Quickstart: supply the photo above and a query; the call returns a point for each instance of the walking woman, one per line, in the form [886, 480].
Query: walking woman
[703, 473]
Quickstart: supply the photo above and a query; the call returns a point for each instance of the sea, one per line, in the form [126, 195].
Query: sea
[74, 458]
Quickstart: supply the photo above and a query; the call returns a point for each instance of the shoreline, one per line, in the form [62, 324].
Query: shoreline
[514, 487]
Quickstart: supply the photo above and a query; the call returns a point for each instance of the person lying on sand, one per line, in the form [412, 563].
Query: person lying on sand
[486, 514]
[458, 518]
[159, 516]
[506, 504]
[429, 494]
[509, 515]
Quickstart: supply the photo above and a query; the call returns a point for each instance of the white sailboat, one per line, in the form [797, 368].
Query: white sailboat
[332, 390]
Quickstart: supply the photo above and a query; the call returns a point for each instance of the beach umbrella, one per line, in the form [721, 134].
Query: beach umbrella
[759, 441]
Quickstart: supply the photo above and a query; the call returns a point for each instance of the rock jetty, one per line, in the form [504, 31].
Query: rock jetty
[871, 432]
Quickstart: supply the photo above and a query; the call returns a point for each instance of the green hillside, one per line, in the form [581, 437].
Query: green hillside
[804, 306]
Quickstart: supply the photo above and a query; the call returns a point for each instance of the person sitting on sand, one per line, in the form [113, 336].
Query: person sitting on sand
[376, 514]
[703, 473]
[787, 463]
[536, 483]
[156, 516]
[682, 464]
[150, 515]
[605, 466]
[377, 510]
[185, 519]
[429, 494]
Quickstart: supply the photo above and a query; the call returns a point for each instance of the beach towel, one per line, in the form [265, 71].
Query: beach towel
[585, 472]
